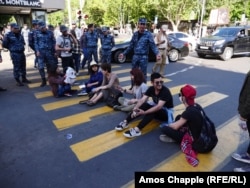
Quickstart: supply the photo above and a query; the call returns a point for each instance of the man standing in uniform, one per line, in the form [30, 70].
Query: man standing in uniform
[45, 50]
[140, 43]
[107, 42]
[161, 41]
[14, 42]
[31, 38]
[91, 41]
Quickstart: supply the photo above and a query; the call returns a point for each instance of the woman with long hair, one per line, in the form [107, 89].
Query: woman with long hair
[138, 89]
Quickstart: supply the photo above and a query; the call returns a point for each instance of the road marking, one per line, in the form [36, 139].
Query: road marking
[102, 143]
[76, 119]
[228, 134]
[63, 103]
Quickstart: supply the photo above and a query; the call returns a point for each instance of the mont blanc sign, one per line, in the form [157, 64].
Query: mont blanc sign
[21, 3]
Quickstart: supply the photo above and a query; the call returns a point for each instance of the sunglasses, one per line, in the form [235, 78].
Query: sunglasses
[159, 82]
[142, 23]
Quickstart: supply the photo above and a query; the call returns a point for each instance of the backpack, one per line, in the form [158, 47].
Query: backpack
[208, 138]
[112, 99]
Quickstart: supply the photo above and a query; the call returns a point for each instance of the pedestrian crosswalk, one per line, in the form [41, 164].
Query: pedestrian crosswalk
[88, 149]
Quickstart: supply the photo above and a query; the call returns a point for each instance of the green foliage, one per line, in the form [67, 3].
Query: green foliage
[120, 12]
[5, 19]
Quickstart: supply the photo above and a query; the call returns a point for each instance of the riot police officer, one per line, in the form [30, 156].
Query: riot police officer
[45, 49]
[14, 42]
[107, 42]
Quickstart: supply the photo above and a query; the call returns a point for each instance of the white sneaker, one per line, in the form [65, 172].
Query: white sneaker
[245, 158]
[242, 169]
[82, 93]
[121, 126]
[132, 133]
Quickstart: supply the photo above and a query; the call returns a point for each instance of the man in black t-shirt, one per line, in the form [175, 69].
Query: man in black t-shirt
[158, 108]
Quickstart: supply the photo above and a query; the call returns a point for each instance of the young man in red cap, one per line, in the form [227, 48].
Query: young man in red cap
[190, 121]
[191, 118]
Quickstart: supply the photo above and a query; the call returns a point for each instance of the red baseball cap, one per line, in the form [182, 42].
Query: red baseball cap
[189, 92]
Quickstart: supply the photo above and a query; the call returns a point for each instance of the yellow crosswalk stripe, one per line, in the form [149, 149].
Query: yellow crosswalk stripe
[63, 103]
[112, 139]
[207, 162]
[76, 119]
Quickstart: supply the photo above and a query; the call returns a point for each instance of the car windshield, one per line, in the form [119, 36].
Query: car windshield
[226, 32]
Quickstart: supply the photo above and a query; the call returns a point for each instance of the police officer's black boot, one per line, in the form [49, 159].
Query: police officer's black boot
[43, 82]
[18, 82]
[25, 80]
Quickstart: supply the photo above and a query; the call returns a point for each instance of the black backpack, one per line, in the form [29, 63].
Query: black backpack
[208, 138]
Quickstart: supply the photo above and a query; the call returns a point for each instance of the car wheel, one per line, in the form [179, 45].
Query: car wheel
[227, 54]
[201, 55]
[117, 59]
[173, 55]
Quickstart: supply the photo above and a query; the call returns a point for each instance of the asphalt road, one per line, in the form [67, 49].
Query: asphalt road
[35, 151]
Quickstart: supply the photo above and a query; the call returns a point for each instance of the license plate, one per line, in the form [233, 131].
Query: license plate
[204, 47]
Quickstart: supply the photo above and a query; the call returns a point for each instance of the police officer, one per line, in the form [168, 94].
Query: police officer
[14, 42]
[140, 43]
[45, 49]
[107, 42]
[91, 40]
[31, 37]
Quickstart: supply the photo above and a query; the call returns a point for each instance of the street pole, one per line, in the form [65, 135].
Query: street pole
[69, 12]
[202, 14]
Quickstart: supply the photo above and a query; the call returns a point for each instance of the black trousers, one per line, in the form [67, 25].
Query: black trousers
[159, 115]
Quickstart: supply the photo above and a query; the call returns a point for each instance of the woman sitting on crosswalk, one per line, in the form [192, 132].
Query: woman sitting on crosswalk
[138, 89]
[95, 79]
[110, 80]
[60, 84]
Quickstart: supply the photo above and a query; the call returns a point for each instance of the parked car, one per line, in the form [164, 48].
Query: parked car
[225, 42]
[186, 38]
[177, 49]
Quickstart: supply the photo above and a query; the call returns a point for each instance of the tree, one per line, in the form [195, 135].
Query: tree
[176, 10]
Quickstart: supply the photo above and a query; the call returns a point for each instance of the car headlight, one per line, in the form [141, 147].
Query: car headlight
[219, 42]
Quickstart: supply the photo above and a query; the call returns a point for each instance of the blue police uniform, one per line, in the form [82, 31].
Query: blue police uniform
[140, 44]
[31, 38]
[45, 47]
[14, 42]
[91, 40]
[107, 42]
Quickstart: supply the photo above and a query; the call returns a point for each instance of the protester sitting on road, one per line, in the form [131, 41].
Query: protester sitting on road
[110, 80]
[95, 80]
[162, 102]
[139, 88]
[191, 120]
[57, 82]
